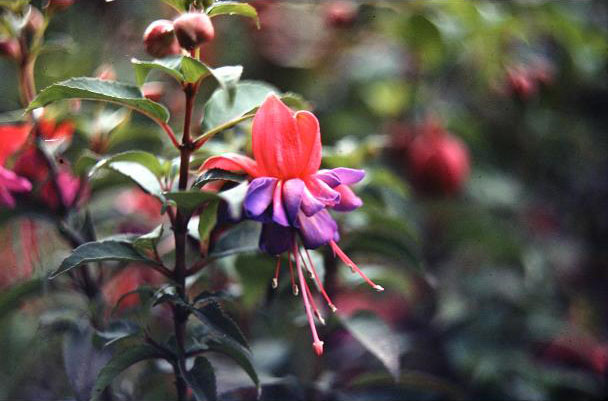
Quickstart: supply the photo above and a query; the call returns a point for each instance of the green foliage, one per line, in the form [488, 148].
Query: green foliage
[99, 251]
[201, 379]
[233, 8]
[97, 89]
[121, 361]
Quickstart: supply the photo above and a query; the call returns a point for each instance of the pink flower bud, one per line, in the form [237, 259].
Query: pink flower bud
[10, 48]
[439, 162]
[59, 5]
[106, 72]
[35, 21]
[341, 14]
[159, 39]
[193, 29]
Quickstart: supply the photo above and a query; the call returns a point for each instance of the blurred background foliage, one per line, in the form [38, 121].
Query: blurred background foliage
[495, 279]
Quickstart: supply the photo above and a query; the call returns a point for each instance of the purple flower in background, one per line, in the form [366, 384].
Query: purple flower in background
[290, 196]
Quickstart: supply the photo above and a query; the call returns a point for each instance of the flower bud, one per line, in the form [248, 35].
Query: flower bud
[58, 5]
[159, 39]
[10, 48]
[35, 21]
[193, 29]
[341, 14]
[439, 162]
[106, 72]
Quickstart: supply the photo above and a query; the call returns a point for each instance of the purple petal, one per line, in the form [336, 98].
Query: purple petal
[310, 204]
[259, 195]
[348, 200]
[292, 198]
[349, 176]
[276, 239]
[322, 192]
[278, 211]
[328, 177]
[317, 230]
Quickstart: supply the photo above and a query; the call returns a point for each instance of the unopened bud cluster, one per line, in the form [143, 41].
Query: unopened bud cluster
[163, 38]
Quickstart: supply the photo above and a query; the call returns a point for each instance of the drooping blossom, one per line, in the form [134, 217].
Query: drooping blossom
[11, 139]
[290, 196]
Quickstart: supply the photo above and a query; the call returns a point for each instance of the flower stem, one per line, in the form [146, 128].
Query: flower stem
[180, 230]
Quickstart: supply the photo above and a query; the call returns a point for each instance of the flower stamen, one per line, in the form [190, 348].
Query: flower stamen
[317, 344]
[319, 283]
[353, 266]
[275, 279]
[294, 287]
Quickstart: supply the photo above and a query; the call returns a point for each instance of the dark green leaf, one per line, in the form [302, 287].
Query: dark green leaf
[234, 8]
[100, 251]
[147, 242]
[238, 354]
[201, 379]
[217, 174]
[120, 361]
[189, 201]
[222, 324]
[97, 89]
[242, 238]
[207, 221]
[377, 338]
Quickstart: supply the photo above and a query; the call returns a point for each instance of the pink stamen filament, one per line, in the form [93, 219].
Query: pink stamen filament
[294, 287]
[312, 301]
[317, 343]
[353, 266]
[319, 283]
[275, 279]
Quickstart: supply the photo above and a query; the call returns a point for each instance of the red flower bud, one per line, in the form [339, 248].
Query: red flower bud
[341, 14]
[106, 72]
[193, 29]
[159, 39]
[521, 82]
[10, 48]
[58, 5]
[439, 162]
[35, 21]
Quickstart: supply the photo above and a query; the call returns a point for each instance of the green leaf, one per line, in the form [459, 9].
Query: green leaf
[12, 297]
[178, 5]
[201, 379]
[222, 108]
[97, 89]
[169, 65]
[207, 221]
[238, 354]
[377, 338]
[148, 242]
[148, 160]
[234, 8]
[216, 174]
[140, 175]
[189, 201]
[193, 70]
[100, 251]
[182, 68]
[121, 361]
[244, 237]
[222, 324]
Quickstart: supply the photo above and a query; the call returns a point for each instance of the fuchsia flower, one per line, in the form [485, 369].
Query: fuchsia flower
[11, 139]
[291, 196]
